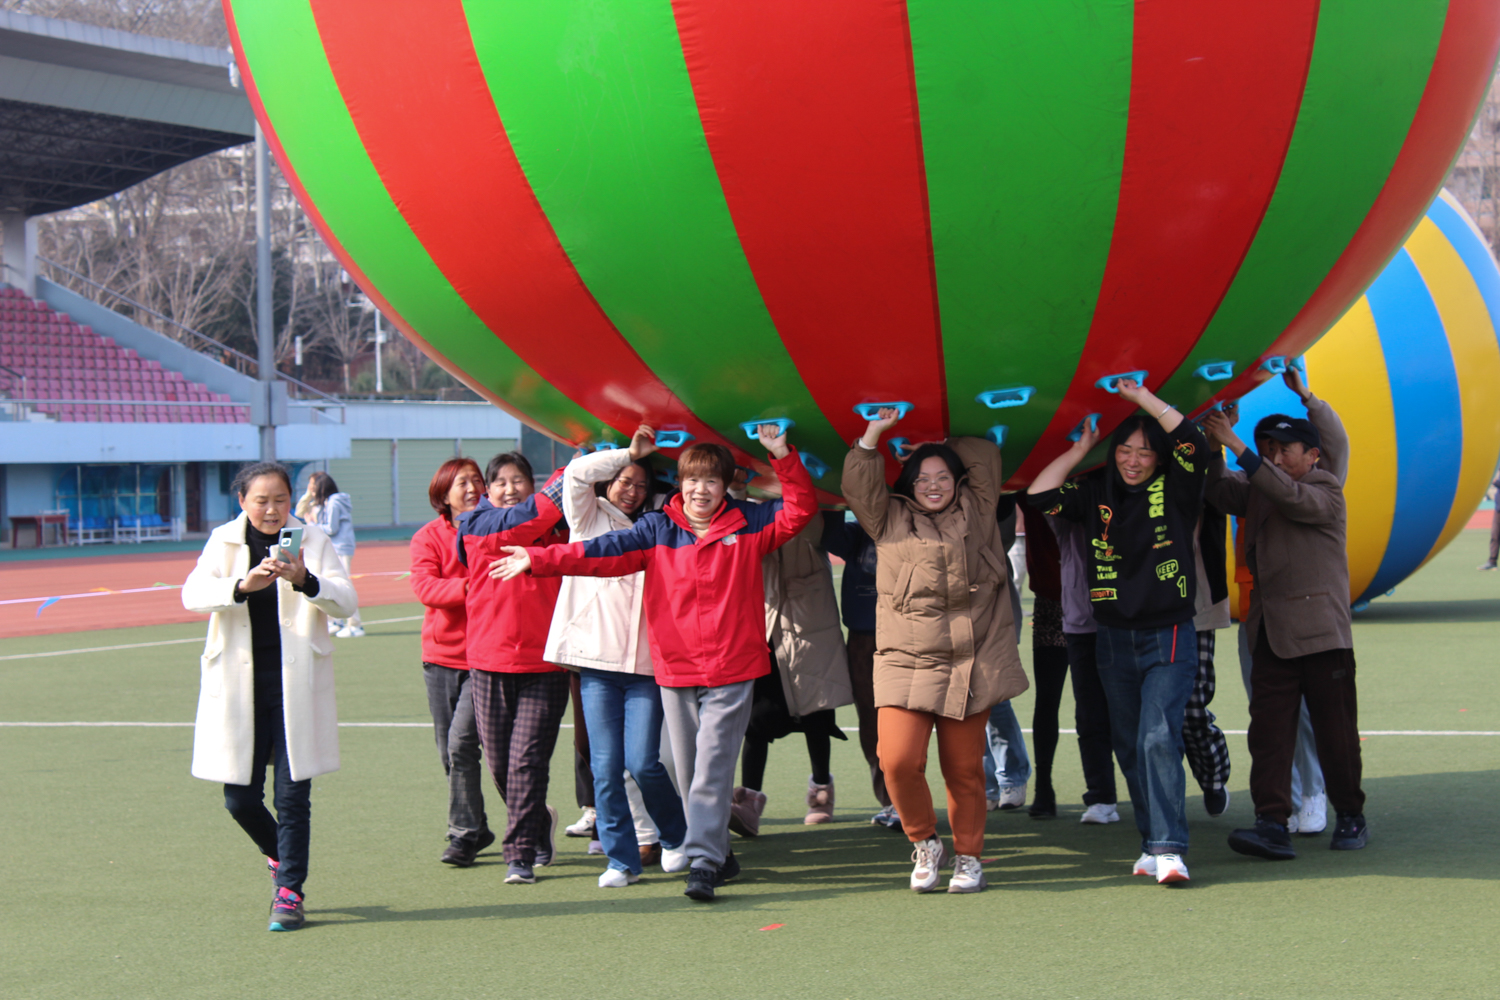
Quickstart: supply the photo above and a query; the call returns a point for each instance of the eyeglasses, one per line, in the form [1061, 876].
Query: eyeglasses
[942, 482]
[624, 484]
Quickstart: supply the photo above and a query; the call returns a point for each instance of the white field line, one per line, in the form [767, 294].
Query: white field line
[107, 592]
[163, 642]
[847, 729]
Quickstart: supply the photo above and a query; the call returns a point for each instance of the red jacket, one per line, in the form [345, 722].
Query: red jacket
[508, 621]
[705, 599]
[439, 580]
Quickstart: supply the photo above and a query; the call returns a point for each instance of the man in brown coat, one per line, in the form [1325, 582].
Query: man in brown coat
[1301, 638]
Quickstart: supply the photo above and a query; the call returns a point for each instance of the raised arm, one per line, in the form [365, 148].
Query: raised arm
[798, 504]
[864, 476]
[523, 524]
[985, 474]
[1163, 413]
[1056, 472]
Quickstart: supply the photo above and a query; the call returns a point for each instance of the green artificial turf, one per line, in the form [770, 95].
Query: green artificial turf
[126, 878]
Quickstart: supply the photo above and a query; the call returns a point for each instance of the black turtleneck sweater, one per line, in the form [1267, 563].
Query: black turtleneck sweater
[265, 629]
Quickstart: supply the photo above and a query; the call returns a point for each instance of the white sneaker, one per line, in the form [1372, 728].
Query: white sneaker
[596, 847]
[968, 874]
[1170, 868]
[927, 858]
[673, 861]
[1314, 815]
[990, 805]
[585, 825]
[1145, 865]
[350, 632]
[1012, 797]
[613, 878]
[1101, 812]
[1291, 823]
[334, 625]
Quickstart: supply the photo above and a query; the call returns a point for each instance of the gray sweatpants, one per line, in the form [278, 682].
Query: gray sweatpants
[707, 725]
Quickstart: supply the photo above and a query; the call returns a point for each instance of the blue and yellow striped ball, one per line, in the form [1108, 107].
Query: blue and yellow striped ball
[1413, 369]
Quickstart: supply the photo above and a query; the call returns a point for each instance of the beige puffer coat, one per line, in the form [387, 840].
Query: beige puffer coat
[802, 624]
[945, 634]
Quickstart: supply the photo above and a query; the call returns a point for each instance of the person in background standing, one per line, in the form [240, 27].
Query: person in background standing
[267, 696]
[1493, 494]
[332, 511]
[844, 538]
[441, 583]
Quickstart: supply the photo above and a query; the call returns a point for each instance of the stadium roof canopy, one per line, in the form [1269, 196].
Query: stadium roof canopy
[86, 112]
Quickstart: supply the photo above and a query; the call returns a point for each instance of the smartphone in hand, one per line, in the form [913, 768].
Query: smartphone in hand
[290, 543]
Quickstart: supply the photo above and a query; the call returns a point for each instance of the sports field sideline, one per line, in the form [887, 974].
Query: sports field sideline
[128, 879]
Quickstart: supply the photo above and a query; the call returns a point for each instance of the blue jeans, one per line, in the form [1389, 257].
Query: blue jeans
[1006, 764]
[1147, 676]
[1307, 772]
[623, 713]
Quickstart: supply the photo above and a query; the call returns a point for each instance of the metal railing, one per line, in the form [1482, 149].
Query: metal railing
[322, 401]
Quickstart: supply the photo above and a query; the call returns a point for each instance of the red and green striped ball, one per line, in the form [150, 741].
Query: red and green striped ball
[700, 212]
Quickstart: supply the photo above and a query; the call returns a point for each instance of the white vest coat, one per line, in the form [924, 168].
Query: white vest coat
[224, 733]
[597, 622]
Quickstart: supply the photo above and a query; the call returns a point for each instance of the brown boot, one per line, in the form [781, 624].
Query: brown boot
[819, 802]
[745, 809]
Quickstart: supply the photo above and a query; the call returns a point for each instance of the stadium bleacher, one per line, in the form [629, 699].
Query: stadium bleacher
[91, 379]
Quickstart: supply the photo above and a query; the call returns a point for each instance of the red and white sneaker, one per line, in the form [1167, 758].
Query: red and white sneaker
[1145, 865]
[1170, 868]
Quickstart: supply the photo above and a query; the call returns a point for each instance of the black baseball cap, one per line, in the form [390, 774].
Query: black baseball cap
[1290, 429]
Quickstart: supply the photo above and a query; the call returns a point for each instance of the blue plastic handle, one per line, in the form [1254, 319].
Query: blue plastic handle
[1077, 433]
[816, 467]
[871, 411]
[605, 446]
[1111, 383]
[1215, 371]
[999, 399]
[749, 472]
[1277, 364]
[749, 426]
[668, 476]
[672, 439]
[898, 447]
[998, 434]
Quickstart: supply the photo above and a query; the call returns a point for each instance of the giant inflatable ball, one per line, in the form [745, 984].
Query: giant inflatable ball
[703, 212]
[1413, 370]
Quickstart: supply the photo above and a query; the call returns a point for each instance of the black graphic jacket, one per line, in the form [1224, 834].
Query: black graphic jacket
[1141, 567]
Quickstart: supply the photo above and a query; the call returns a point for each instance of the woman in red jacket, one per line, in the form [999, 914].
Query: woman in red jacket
[705, 606]
[441, 583]
[519, 698]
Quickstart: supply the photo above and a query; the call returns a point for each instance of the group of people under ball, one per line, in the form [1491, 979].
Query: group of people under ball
[693, 627]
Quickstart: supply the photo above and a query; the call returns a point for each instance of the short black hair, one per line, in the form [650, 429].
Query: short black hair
[503, 459]
[905, 484]
[250, 473]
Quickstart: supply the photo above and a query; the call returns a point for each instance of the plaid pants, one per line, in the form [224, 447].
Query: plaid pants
[1203, 742]
[519, 716]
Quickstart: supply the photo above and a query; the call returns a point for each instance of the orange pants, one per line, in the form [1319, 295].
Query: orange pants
[904, 736]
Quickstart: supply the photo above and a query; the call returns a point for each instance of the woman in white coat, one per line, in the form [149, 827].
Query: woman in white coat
[267, 674]
[598, 630]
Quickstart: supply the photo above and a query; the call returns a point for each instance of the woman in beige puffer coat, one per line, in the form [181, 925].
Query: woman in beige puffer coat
[945, 634]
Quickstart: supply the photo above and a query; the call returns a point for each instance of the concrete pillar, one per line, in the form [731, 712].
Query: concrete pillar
[20, 251]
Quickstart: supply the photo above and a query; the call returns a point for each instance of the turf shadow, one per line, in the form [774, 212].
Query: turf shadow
[1431, 612]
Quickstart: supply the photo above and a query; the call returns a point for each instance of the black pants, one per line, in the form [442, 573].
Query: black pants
[285, 837]
[1091, 718]
[862, 679]
[1277, 688]
[1049, 666]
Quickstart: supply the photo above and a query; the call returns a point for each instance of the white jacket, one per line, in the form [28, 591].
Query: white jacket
[597, 622]
[224, 733]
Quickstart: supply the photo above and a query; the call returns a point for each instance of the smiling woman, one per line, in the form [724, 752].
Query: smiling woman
[267, 696]
[944, 630]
